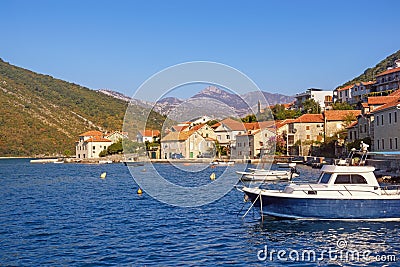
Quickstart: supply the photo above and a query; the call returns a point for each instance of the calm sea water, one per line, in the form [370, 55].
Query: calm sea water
[65, 215]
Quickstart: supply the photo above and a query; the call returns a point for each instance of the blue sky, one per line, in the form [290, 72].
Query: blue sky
[284, 46]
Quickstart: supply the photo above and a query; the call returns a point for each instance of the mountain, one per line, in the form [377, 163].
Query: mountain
[221, 101]
[125, 98]
[42, 115]
[370, 73]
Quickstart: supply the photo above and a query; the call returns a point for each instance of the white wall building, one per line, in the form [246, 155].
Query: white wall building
[323, 97]
[90, 144]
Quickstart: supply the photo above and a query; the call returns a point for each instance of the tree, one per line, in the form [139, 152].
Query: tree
[280, 113]
[310, 106]
[249, 118]
[348, 119]
[342, 106]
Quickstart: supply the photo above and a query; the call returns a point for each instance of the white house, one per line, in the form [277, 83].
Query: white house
[323, 97]
[90, 144]
[147, 135]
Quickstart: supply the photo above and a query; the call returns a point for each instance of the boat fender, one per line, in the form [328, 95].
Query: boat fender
[139, 191]
[245, 198]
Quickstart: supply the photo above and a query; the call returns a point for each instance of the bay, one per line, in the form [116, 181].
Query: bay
[65, 215]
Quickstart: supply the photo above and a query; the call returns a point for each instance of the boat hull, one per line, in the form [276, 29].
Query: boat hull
[327, 209]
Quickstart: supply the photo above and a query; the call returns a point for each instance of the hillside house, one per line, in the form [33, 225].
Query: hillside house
[148, 135]
[90, 144]
[191, 142]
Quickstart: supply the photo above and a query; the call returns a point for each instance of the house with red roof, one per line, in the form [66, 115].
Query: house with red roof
[250, 144]
[191, 142]
[148, 135]
[90, 144]
[389, 79]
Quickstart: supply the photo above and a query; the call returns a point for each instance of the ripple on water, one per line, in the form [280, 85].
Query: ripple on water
[64, 214]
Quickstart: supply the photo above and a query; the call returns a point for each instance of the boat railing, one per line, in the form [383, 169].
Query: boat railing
[390, 189]
[314, 191]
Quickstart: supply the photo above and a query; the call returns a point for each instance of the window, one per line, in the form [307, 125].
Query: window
[94, 148]
[390, 118]
[383, 144]
[228, 137]
[308, 127]
[350, 179]
[395, 142]
[395, 117]
[351, 135]
[308, 137]
[342, 179]
[358, 179]
[377, 120]
[365, 128]
[324, 178]
[105, 147]
[382, 119]
[390, 143]
[378, 144]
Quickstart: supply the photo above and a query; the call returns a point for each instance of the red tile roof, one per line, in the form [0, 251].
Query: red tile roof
[98, 139]
[149, 132]
[231, 124]
[380, 100]
[345, 88]
[279, 124]
[388, 105]
[92, 133]
[388, 72]
[340, 115]
[310, 118]
[395, 93]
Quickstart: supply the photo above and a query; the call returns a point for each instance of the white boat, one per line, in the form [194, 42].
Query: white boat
[342, 192]
[286, 164]
[262, 175]
[43, 160]
[105, 161]
[222, 163]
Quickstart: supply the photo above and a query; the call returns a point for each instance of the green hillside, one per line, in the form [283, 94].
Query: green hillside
[41, 115]
[370, 73]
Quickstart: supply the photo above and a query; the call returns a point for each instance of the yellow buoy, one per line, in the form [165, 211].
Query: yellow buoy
[212, 176]
[139, 191]
[103, 175]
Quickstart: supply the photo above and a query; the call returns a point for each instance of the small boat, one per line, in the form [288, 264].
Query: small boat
[222, 163]
[286, 164]
[43, 160]
[343, 192]
[105, 161]
[262, 175]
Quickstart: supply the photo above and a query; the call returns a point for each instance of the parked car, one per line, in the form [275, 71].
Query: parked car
[177, 156]
[206, 155]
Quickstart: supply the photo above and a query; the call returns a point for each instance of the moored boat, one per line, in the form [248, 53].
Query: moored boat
[261, 175]
[342, 192]
[222, 163]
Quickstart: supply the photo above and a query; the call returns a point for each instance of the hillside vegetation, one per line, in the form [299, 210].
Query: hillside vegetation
[42, 115]
[370, 73]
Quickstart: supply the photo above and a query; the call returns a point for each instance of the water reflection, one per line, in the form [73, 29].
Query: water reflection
[381, 239]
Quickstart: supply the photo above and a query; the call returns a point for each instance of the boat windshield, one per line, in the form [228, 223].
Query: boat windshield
[324, 178]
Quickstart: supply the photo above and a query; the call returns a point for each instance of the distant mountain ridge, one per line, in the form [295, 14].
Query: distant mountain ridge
[240, 104]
